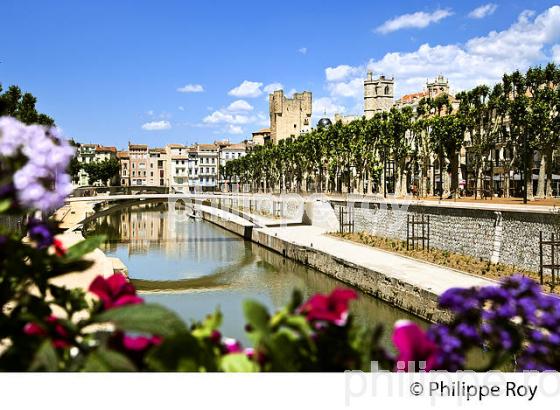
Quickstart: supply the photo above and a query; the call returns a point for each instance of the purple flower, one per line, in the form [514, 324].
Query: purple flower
[40, 233]
[42, 182]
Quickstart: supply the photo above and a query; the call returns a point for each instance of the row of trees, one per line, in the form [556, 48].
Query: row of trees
[514, 126]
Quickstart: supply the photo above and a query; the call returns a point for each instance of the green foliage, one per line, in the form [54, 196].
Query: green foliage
[22, 106]
[144, 318]
[101, 171]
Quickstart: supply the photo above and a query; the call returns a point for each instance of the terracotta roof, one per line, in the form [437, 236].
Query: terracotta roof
[176, 146]
[411, 97]
[101, 148]
[262, 131]
[137, 146]
[122, 154]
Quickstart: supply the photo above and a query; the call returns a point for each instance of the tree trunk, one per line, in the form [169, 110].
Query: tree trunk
[542, 177]
[548, 156]
[455, 175]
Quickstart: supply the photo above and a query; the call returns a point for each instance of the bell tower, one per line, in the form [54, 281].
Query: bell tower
[378, 94]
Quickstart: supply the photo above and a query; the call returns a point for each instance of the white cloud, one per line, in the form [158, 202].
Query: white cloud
[156, 126]
[341, 72]
[483, 11]
[303, 50]
[556, 53]
[247, 89]
[234, 129]
[150, 113]
[220, 117]
[291, 93]
[351, 88]
[326, 106]
[191, 88]
[532, 39]
[420, 19]
[270, 88]
[240, 105]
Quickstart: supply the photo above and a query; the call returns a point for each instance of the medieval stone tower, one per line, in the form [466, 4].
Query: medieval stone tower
[378, 94]
[438, 86]
[289, 117]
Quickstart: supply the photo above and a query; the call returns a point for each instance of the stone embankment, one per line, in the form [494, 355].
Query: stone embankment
[411, 285]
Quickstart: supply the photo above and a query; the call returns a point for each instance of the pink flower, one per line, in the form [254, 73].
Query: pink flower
[332, 308]
[59, 335]
[140, 343]
[114, 291]
[232, 346]
[413, 345]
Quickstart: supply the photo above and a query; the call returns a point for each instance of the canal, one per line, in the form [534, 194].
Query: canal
[193, 267]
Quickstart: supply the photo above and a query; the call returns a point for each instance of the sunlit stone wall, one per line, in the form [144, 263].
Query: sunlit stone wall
[498, 236]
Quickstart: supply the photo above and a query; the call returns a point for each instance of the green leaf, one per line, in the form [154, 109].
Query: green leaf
[82, 248]
[45, 358]
[238, 363]
[5, 204]
[257, 316]
[183, 353]
[145, 318]
[106, 360]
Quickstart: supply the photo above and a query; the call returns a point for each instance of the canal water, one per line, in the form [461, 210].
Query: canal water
[193, 267]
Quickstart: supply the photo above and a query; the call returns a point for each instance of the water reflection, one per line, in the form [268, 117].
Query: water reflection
[193, 266]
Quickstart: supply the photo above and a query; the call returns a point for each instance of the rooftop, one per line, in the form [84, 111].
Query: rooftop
[101, 148]
[137, 146]
[262, 131]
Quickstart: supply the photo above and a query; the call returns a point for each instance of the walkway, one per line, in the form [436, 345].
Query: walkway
[432, 278]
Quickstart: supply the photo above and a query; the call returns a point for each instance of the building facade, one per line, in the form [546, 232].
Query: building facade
[139, 160]
[157, 170]
[178, 168]
[208, 166]
[124, 166]
[289, 117]
[261, 136]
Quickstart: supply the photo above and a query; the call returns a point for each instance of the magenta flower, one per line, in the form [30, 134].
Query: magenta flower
[58, 333]
[414, 345]
[331, 308]
[232, 346]
[140, 343]
[114, 291]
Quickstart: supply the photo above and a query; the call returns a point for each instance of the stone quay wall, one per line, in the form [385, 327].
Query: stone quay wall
[505, 236]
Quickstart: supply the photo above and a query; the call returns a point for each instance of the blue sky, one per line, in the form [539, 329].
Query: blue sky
[109, 71]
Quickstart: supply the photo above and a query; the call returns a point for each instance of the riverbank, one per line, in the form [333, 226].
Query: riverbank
[413, 286]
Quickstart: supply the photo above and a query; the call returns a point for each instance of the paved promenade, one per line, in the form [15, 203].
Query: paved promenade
[427, 276]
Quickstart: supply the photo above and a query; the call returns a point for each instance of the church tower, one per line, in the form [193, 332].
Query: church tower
[378, 94]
